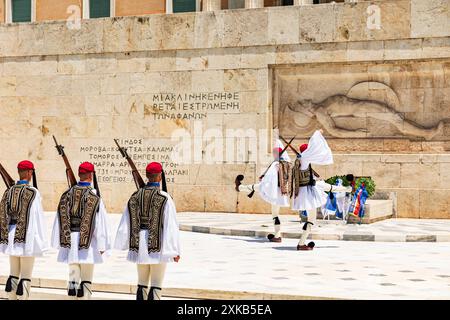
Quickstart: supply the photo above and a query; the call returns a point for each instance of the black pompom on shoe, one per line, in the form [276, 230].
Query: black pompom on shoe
[238, 181]
[311, 245]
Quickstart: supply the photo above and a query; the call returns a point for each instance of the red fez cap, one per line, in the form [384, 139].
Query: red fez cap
[277, 149]
[303, 147]
[86, 167]
[154, 167]
[25, 165]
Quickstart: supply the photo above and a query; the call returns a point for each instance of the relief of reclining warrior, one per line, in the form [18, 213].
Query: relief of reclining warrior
[342, 106]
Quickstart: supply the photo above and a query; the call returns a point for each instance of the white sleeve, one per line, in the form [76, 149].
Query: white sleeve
[55, 242]
[36, 235]
[268, 187]
[122, 241]
[318, 151]
[171, 231]
[41, 224]
[101, 232]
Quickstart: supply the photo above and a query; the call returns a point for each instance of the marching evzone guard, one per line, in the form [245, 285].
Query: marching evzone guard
[80, 232]
[309, 193]
[22, 231]
[149, 231]
[274, 188]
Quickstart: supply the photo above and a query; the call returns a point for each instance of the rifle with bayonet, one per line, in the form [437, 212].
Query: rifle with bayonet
[250, 195]
[284, 149]
[136, 175]
[71, 179]
[298, 154]
[9, 182]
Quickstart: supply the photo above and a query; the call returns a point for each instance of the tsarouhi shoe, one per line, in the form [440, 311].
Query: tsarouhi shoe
[272, 238]
[303, 248]
[237, 181]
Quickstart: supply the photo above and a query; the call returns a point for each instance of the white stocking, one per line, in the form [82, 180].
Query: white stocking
[85, 289]
[143, 280]
[312, 217]
[276, 220]
[157, 272]
[14, 273]
[26, 271]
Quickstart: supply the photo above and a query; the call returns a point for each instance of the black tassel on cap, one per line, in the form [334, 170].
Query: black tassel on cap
[96, 185]
[34, 179]
[164, 183]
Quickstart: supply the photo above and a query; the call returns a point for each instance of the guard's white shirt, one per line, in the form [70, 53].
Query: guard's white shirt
[100, 241]
[36, 237]
[170, 247]
[317, 153]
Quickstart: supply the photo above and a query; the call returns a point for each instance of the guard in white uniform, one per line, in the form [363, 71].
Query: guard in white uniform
[149, 231]
[22, 231]
[309, 193]
[80, 232]
[274, 188]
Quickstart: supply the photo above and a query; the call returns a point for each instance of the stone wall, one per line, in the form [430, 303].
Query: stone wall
[113, 78]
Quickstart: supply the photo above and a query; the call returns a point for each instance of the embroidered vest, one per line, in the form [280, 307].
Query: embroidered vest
[301, 178]
[146, 209]
[15, 210]
[284, 177]
[76, 212]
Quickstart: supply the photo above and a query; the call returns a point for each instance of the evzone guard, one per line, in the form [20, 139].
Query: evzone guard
[149, 230]
[308, 190]
[299, 181]
[273, 188]
[80, 229]
[22, 229]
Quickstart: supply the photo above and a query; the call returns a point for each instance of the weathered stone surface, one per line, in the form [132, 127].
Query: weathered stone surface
[430, 18]
[118, 78]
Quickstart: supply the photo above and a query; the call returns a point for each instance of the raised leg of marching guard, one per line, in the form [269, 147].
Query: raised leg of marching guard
[149, 231]
[273, 188]
[80, 232]
[22, 231]
[309, 192]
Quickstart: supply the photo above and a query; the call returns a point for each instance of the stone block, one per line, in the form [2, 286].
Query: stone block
[207, 81]
[282, 26]
[418, 175]
[7, 86]
[434, 204]
[430, 18]
[385, 175]
[245, 28]
[315, 24]
[208, 30]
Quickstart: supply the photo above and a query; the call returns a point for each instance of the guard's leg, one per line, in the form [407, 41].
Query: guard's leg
[277, 225]
[311, 219]
[328, 187]
[74, 280]
[13, 280]
[85, 289]
[26, 271]
[157, 272]
[143, 280]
